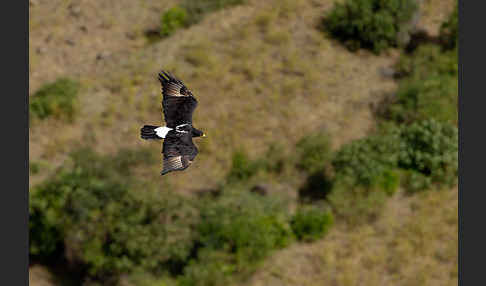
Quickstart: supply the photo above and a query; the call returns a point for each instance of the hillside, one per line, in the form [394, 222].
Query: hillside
[413, 243]
[277, 79]
[263, 73]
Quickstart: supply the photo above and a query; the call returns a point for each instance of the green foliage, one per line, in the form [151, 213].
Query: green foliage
[366, 172]
[369, 169]
[46, 220]
[426, 150]
[196, 10]
[90, 211]
[389, 181]
[432, 150]
[434, 97]
[173, 19]
[313, 153]
[236, 231]
[369, 162]
[56, 99]
[371, 24]
[416, 182]
[242, 167]
[311, 223]
[212, 268]
[244, 224]
[34, 168]
[449, 30]
[428, 60]
[429, 88]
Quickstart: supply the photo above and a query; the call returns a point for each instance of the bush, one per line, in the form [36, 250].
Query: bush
[34, 168]
[90, 211]
[432, 150]
[434, 97]
[416, 182]
[428, 60]
[196, 10]
[371, 24]
[313, 153]
[366, 172]
[212, 268]
[449, 30]
[56, 99]
[244, 224]
[428, 147]
[311, 223]
[242, 168]
[429, 89]
[171, 20]
[370, 162]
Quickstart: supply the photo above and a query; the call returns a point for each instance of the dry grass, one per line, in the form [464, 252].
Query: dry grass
[39, 276]
[262, 75]
[413, 243]
[434, 13]
[67, 36]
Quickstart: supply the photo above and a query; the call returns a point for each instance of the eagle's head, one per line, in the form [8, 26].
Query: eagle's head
[197, 133]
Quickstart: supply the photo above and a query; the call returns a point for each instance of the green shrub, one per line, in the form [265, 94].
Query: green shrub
[428, 60]
[34, 168]
[313, 153]
[311, 223]
[428, 147]
[416, 182]
[366, 172]
[46, 221]
[196, 10]
[90, 211]
[370, 162]
[56, 99]
[449, 30]
[371, 24]
[173, 19]
[212, 268]
[245, 224]
[242, 167]
[432, 150]
[434, 97]
[429, 88]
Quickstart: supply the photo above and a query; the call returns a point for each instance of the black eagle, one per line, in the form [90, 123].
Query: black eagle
[178, 104]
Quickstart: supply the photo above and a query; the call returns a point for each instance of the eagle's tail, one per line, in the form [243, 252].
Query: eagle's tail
[148, 132]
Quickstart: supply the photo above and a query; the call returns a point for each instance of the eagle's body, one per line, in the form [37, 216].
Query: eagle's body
[178, 104]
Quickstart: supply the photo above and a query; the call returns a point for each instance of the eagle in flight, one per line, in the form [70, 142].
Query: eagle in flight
[178, 104]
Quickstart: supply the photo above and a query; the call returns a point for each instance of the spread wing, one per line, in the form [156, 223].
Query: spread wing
[178, 102]
[179, 151]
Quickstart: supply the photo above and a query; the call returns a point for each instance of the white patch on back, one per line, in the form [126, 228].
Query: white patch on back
[162, 131]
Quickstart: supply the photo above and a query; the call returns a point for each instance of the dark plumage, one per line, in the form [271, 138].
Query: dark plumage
[178, 105]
